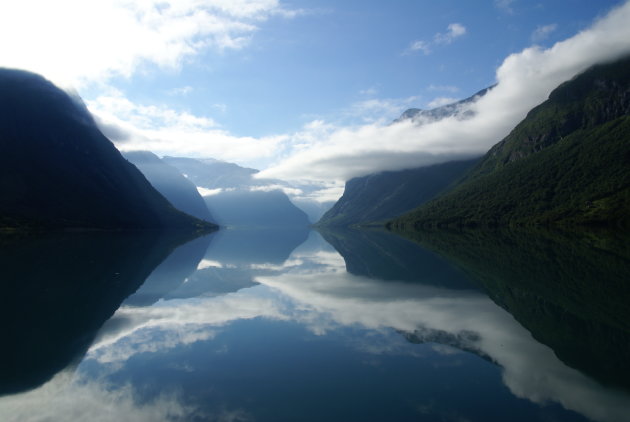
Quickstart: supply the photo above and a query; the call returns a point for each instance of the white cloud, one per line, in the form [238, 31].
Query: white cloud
[182, 91]
[454, 30]
[369, 91]
[523, 81]
[270, 188]
[446, 88]
[542, 32]
[209, 192]
[420, 46]
[166, 131]
[505, 5]
[382, 110]
[441, 101]
[75, 42]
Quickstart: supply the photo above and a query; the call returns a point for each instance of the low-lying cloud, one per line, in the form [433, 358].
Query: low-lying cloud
[524, 80]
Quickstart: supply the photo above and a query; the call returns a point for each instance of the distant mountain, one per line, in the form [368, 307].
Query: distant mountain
[58, 170]
[239, 200]
[168, 180]
[245, 208]
[458, 108]
[565, 164]
[382, 196]
[386, 195]
[212, 174]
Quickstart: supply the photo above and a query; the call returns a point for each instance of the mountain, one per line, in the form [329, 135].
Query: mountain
[382, 196]
[458, 109]
[389, 194]
[246, 208]
[57, 170]
[565, 164]
[239, 200]
[214, 174]
[181, 192]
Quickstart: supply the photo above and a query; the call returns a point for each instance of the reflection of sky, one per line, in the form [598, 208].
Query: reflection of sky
[311, 289]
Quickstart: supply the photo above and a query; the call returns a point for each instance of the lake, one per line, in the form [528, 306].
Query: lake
[261, 325]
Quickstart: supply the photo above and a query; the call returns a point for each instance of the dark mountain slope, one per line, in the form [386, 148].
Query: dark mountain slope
[58, 170]
[566, 164]
[181, 192]
[381, 196]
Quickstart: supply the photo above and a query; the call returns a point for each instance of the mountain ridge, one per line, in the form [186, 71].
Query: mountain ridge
[58, 171]
[565, 164]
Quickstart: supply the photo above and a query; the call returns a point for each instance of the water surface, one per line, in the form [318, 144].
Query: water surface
[302, 326]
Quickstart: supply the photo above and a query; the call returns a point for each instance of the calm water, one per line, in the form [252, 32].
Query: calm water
[302, 326]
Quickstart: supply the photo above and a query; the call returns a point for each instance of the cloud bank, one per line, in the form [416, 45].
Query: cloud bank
[524, 80]
[75, 42]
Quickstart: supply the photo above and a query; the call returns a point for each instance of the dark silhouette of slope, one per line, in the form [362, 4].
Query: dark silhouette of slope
[57, 169]
[58, 289]
[180, 191]
[569, 290]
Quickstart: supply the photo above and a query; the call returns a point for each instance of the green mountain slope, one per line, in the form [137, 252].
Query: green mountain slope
[381, 196]
[566, 164]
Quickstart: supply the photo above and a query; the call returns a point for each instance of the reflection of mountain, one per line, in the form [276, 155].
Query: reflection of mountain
[57, 290]
[181, 192]
[571, 292]
[171, 273]
[385, 256]
[238, 247]
[58, 170]
[459, 318]
[235, 257]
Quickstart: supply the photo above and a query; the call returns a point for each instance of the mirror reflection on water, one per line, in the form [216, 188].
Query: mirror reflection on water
[272, 325]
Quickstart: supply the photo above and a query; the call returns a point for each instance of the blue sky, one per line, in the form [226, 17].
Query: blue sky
[307, 90]
[336, 54]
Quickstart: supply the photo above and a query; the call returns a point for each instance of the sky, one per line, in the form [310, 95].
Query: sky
[307, 90]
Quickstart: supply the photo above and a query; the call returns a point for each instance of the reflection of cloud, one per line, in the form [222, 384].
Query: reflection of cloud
[168, 324]
[468, 319]
[68, 398]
